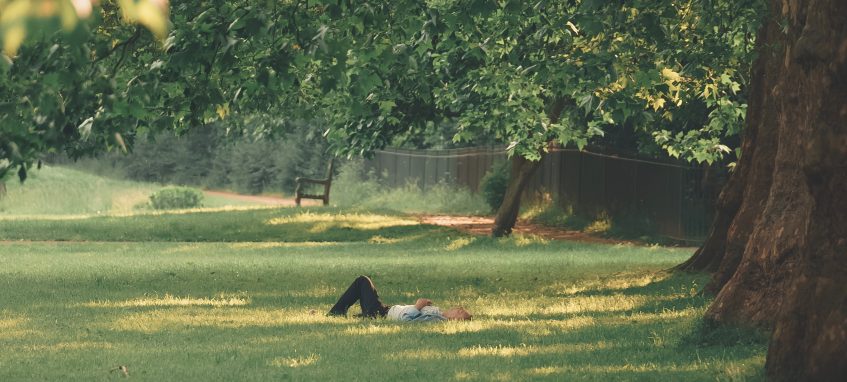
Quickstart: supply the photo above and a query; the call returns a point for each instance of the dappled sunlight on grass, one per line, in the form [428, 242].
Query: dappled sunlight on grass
[500, 351]
[507, 351]
[378, 239]
[311, 359]
[372, 329]
[419, 354]
[607, 284]
[460, 243]
[570, 305]
[183, 248]
[496, 351]
[663, 316]
[614, 369]
[15, 328]
[191, 317]
[529, 327]
[733, 372]
[279, 244]
[325, 221]
[588, 304]
[522, 240]
[319, 291]
[168, 300]
[65, 346]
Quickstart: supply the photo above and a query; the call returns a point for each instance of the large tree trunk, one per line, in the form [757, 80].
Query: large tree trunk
[779, 243]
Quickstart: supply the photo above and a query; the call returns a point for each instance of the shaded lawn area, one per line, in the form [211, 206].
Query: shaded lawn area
[253, 309]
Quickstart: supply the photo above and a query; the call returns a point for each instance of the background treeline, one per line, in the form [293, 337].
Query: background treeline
[209, 158]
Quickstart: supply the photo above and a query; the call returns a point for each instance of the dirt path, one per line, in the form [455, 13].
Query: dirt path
[480, 225]
[476, 225]
[266, 200]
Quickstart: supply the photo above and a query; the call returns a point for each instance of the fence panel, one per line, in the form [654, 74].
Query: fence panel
[670, 196]
[592, 185]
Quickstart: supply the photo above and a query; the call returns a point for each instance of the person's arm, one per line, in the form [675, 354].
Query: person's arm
[422, 302]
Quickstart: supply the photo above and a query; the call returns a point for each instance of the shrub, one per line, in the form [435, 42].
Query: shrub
[176, 197]
[494, 184]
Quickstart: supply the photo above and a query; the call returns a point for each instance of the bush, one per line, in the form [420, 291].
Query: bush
[494, 184]
[176, 197]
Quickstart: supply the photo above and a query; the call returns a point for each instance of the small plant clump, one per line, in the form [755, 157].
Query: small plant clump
[494, 184]
[170, 198]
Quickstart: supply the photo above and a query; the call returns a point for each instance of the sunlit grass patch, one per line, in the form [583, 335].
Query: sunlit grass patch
[295, 361]
[460, 243]
[189, 318]
[372, 330]
[496, 351]
[531, 327]
[168, 300]
[523, 350]
[279, 244]
[15, 327]
[617, 282]
[571, 305]
[528, 239]
[591, 304]
[325, 221]
[419, 354]
[66, 346]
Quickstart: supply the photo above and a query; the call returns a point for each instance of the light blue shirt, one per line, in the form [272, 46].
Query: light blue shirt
[410, 313]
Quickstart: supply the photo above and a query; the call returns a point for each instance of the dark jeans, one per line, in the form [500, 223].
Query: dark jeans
[364, 291]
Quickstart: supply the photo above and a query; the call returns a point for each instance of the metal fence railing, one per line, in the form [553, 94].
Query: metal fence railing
[671, 197]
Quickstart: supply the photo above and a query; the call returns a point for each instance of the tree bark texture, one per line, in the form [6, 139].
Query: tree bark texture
[780, 239]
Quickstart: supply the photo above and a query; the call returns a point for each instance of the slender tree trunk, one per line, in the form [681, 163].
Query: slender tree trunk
[521, 174]
[780, 238]
[507, 214]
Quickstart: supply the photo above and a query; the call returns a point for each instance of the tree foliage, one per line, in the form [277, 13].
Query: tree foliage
[525, 73]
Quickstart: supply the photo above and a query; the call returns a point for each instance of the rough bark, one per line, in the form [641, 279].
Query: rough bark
[783, 254]
[810, 335]
[728, 235]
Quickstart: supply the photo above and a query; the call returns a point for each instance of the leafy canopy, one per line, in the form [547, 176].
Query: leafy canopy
[525, 73]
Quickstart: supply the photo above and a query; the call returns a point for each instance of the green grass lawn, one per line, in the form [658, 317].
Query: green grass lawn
[241, 295]
[61, 191]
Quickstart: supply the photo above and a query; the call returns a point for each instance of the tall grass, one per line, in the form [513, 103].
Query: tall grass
[58, 191]
[354, 187]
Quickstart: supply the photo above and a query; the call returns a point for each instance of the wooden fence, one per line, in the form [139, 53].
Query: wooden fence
[671, 197]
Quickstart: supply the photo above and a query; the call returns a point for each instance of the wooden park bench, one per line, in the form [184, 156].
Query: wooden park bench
[298, 191]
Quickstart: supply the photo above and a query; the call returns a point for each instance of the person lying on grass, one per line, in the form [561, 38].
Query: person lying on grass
[363, 290]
